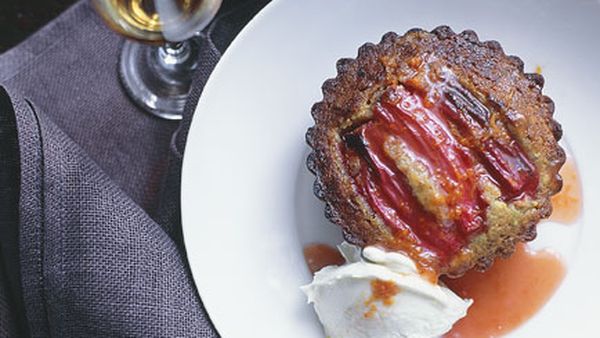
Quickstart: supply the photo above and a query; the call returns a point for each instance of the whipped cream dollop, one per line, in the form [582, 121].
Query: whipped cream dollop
[381, 294]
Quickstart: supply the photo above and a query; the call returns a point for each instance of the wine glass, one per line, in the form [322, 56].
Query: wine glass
[155, 67]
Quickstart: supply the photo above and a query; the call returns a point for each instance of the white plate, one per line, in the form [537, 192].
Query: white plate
[247, 200]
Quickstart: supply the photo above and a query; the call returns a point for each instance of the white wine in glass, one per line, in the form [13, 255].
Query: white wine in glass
[156, 65]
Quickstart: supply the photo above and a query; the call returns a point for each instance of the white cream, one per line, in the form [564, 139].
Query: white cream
[342, 298]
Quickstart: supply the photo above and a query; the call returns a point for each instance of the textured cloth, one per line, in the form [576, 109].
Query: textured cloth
[90, 233]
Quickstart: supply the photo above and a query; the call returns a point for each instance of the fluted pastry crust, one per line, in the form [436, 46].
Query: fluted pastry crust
[497, 80]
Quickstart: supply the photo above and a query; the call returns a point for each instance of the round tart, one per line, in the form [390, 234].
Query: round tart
[437, 145]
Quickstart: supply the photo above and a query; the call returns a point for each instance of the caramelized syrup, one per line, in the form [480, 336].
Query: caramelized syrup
[567, 204]
[508, 294]
[382, 291]
[318, 256]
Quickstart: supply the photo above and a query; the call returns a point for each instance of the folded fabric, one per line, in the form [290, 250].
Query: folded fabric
[90, 232]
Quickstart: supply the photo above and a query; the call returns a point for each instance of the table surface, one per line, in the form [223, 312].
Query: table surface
[21, 18]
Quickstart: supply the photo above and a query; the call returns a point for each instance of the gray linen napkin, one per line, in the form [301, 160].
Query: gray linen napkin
[90, 230]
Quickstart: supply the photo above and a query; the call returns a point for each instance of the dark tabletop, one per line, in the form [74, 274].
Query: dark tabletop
[20, 18]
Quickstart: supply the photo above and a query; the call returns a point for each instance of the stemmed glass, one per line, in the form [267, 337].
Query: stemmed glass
[155, 67]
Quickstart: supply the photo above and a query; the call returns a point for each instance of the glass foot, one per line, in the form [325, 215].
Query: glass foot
[158, 78]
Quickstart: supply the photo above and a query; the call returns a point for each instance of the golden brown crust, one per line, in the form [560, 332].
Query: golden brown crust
[483, 68]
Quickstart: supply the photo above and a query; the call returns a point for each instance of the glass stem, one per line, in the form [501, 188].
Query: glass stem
[173, 53]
